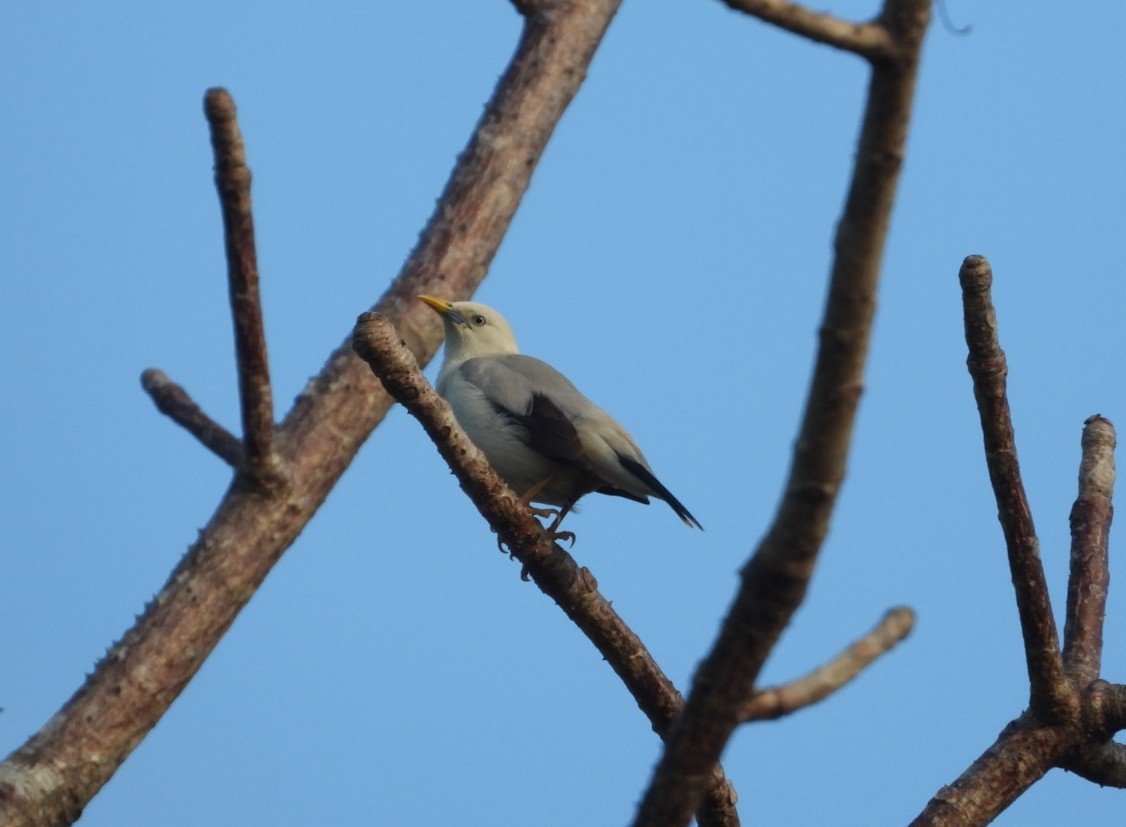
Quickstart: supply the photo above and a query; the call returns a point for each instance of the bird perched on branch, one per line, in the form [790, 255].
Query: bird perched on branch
[547, 441]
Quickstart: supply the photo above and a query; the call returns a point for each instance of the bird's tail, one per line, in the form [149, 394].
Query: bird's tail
[659, 490]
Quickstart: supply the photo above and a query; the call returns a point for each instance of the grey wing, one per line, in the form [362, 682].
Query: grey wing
[544, 404]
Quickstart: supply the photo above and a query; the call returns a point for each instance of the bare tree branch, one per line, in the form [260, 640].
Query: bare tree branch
[1017, 760]
[1090, 571]
[775, 702]
[1072, 715]
[555, 571]
[1104, 709]
[49, 779]
[1102, 764]
[1050, 697]
[175, 403]
[775, 579]
[870, 40]
[232, 180]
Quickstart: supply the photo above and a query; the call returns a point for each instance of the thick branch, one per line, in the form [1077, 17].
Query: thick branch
[175, 403]
[822, 682]
[1100, 759]
[232, 180]
[1017, 760]
[574, 589]
[1103, 764]
[1090, 572]
[774, 581]
[50, 778]
[1050, 698]
[870, 40]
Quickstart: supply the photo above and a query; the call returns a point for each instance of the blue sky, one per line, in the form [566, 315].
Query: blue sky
[393, 668]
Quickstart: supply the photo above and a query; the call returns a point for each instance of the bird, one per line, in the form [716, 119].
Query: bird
[545, 439]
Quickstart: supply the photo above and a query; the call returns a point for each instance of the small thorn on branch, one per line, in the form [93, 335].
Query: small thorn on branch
[822, 682]
[232, 180]
[175, 403]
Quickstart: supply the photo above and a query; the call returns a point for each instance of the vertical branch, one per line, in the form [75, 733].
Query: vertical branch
[232, 180]
[1050, 696]
[1090, 573]
[774, 581]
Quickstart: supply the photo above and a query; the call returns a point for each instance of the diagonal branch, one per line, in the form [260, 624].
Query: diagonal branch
[555, 571]
[774, 580]
[232, 180]
[870, 40]
[175, 403]
[777, 701]
[58, 770]
[1090, 572]
[1050, 696]
[1019, 758]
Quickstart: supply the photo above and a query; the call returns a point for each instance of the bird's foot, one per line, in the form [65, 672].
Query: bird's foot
[563, 536]
[556, 515]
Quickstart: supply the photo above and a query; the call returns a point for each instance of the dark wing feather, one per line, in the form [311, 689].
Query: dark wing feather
[507, 382]
[646, 476]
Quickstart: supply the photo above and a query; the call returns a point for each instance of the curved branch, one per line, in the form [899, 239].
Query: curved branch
[555, 571]
[775, 579]
[870, 40]
[232, 180]
[1090, 571]
[775, 702]
[175, 403]
[1051, 698]
[58, 770]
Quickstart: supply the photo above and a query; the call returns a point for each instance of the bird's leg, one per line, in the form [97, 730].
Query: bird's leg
[557, 514]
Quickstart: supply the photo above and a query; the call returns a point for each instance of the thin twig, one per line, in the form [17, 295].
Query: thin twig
[870, 40]
[1051, 698]
[80, 748]
[555, 571]
[775, 579]
[175, 403]
[232, 180]
[1090, 572]
[775, 702]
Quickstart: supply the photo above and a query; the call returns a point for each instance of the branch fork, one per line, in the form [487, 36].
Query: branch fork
[1072, 713]
[255, 459]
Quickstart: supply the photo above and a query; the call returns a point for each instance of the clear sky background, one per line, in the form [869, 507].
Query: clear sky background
[671, 258]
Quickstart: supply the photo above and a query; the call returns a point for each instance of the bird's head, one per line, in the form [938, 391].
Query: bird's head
[472, 329]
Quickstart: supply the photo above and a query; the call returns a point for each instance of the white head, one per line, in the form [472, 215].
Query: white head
[472, 329]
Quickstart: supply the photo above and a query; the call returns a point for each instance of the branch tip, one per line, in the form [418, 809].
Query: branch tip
[1089, 580]
[232, 180]
[775, 702]
[175, 403]
[1051, 698]
[219, 106]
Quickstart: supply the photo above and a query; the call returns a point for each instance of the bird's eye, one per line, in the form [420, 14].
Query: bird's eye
[478, 320]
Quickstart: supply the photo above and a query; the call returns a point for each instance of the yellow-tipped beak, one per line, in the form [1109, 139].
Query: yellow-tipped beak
[440, 306]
